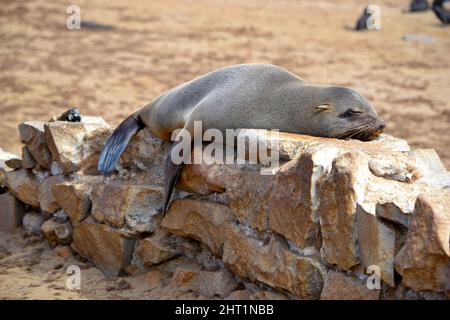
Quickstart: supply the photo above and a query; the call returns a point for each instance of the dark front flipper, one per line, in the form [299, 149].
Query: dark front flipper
[117, 142]
[171, 174]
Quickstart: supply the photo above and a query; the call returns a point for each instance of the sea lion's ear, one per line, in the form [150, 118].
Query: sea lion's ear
[323, 107]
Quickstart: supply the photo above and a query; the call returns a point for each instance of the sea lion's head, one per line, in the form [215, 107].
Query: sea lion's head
[347, 114]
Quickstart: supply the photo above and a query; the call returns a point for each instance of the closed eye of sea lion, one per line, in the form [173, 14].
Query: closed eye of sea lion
[255, 96]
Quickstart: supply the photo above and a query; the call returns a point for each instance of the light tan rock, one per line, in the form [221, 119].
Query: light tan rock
[33, 136]
[239, 295]
[156, 249]
[339, 193]
[248, 193]
[424, 260]
[287, 145]
[24, 185]
[108, 249]
[182, 276]
[46, 199]
[203, 179]
[432, 170]
[155, 279]
[376, 244]
[267, 295]
[11, 212]
[67, 141]
[290, 206]
[122, 204]
[57, 232]
[73, 198]
[64, 251]
[273, 264]
[213, 284]
[281, 202]
[202, 220]
[338, 286]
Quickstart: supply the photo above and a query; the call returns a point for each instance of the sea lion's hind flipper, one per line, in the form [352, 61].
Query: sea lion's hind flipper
[171, 174]
[117, 142]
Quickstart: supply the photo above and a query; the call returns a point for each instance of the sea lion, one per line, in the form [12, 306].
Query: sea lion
[361, 23]
[71, 115]
[441, 9]
[418, 5]
[257, 96]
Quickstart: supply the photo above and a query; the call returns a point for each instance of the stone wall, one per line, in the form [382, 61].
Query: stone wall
[333, 213]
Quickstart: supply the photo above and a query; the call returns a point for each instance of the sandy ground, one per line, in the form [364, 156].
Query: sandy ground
[45, 68]
[30, 269]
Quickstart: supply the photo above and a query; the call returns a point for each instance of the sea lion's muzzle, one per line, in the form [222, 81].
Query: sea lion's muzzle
[374, 134]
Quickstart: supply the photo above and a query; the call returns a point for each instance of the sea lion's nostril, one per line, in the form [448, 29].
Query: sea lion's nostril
[382, 126]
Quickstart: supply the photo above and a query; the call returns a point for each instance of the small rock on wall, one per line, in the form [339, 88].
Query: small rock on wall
[108, 249]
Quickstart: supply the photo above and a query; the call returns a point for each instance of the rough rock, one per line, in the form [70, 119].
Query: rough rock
[239, 295]
[273, 264]
[32, 223]
[73, 198]
[202, 220]
[431, 169]
[339, 193]
[24, 185]
[64, 251]
[46, 199]
[57, 232]
[136, 155]
[248, 193]
[338, 286]
[11, 212]
[392, 213]
[291, 205]
[155, 279]
[107, 248]
[286, 144]
[267, 295]
[33, 136]
[182, 277]
[213, 284]
[122, 204]
[354, 201]
[14, 163]
[28, 161]
[157, 248]
[376, 244]
[67, 141]
[424, 260]
[203, 179]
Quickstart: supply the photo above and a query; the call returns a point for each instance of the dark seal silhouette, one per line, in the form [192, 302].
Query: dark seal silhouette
[441, 11]
[71, 115]
[418, 5]
[361, 24]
